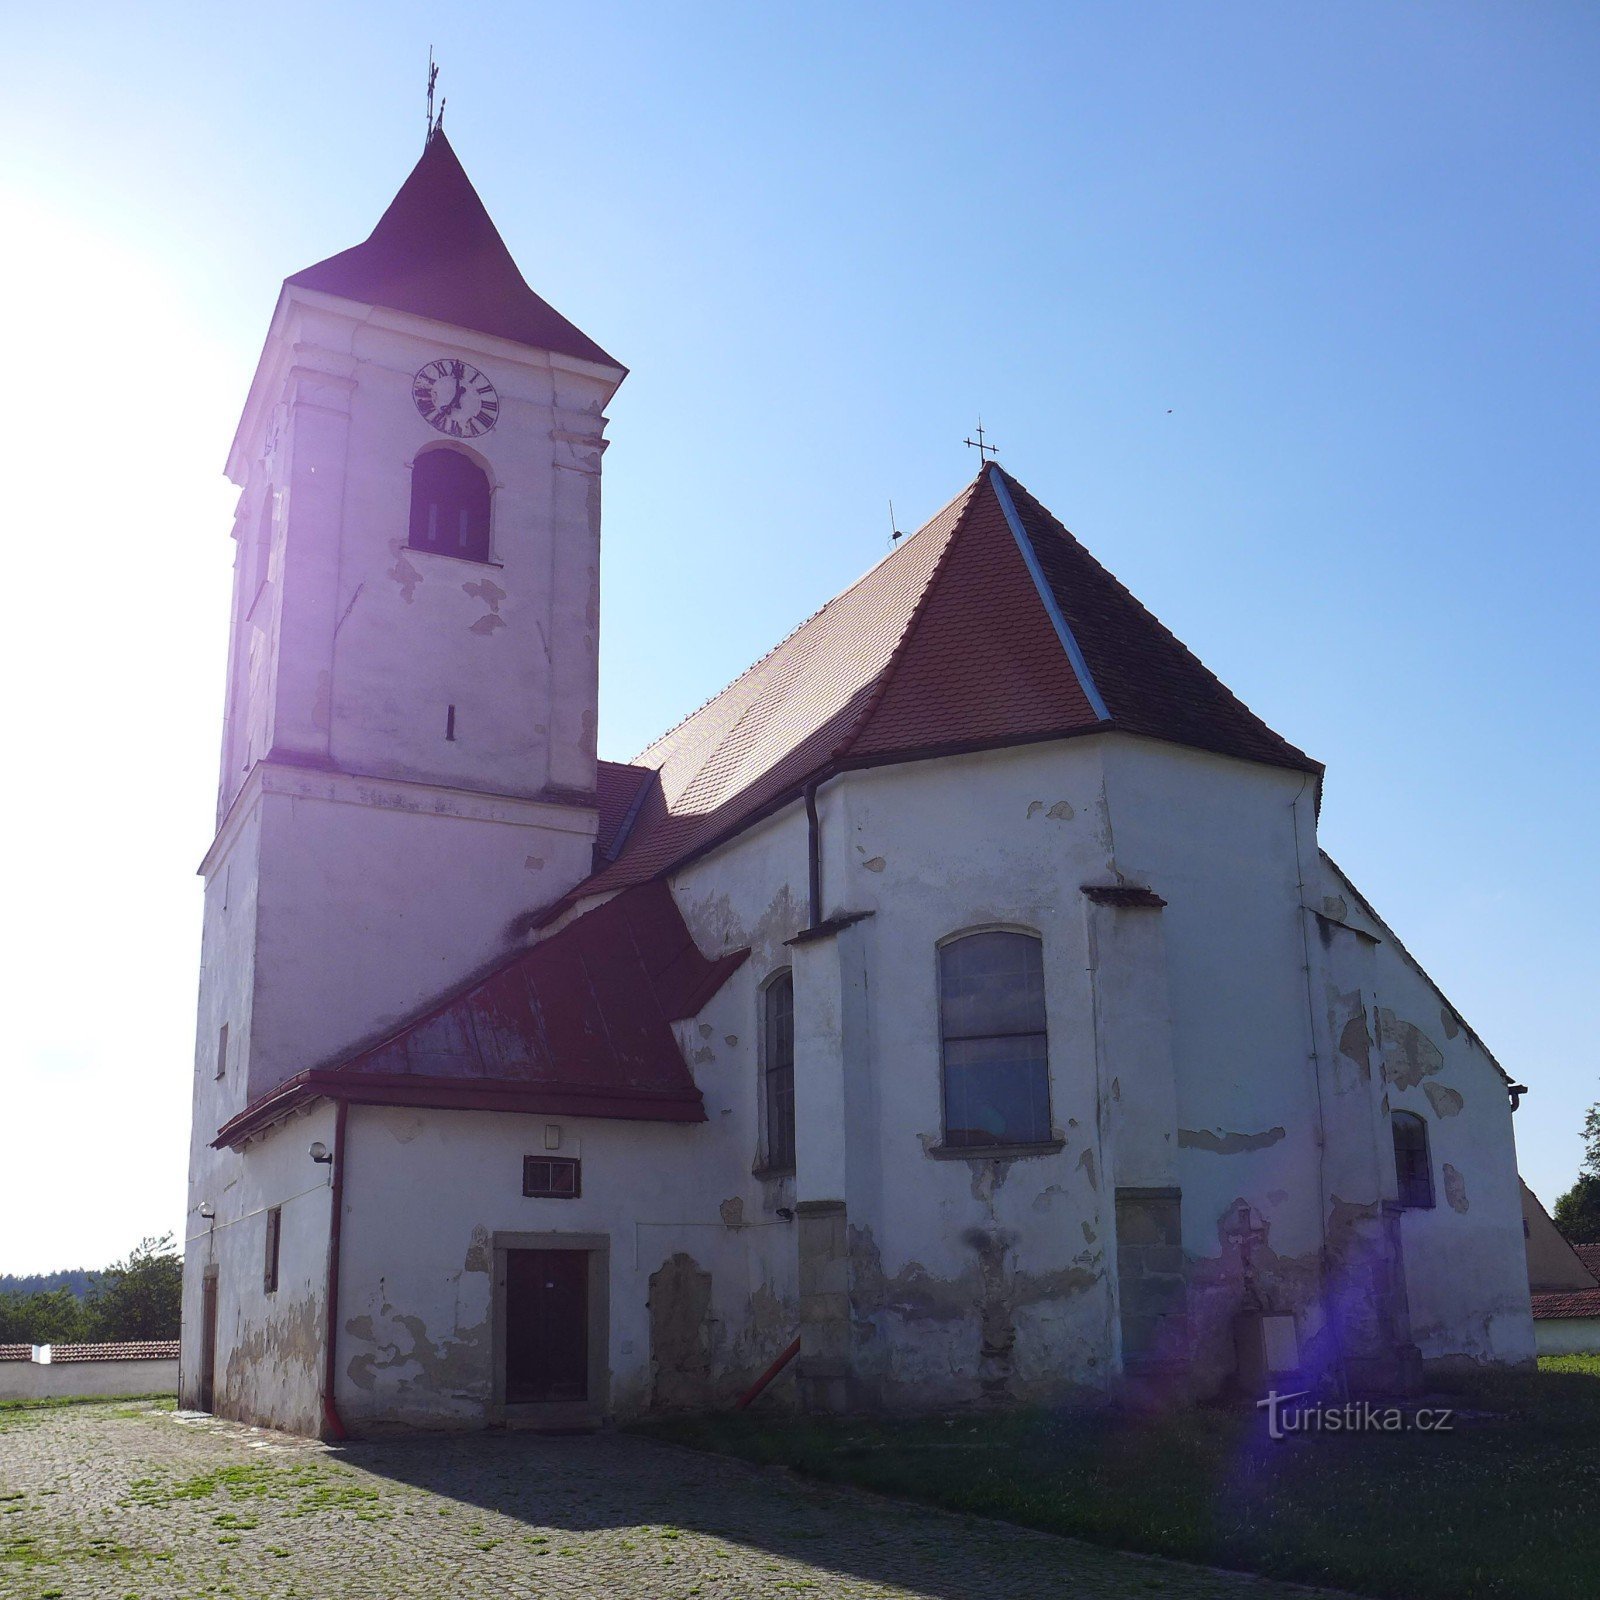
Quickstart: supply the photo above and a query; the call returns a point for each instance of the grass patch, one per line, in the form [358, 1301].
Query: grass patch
[309, 1487]
[1505, 1507]
[29, 1413]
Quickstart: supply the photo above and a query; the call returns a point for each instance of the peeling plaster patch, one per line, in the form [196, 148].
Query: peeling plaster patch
[680, 1335]
[874, 864]
[1455, 1188]
[1089, 1235]
[1036, 807]
[406, 576]
[1418, 1056]
[440, 1367]
[703, 1056]
[1086, 1165]
[1041, 1201]
[487, 591]
[1116, 1089]
[1222, 1143]
[1449, 1022]
[479, 1254]
[533, 863]
[489, 622]
[706, 1030]
[278, 1351]
[1061, 812]
[1333, 906]
[730, 1039]
[987, 1177]
[732, 1212]
[990, 1285]
[1355, 1038]
[1446, 1102]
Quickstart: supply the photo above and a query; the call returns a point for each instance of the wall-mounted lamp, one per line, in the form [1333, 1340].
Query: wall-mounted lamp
[207, 1210]
[319, 1153]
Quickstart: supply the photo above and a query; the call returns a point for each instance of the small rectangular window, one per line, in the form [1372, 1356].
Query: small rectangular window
[222, 1050]
[550, 1178]
[269, 1278]
[777, 1070]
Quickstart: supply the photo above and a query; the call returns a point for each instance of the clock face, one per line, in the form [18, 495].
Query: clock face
[456, 398]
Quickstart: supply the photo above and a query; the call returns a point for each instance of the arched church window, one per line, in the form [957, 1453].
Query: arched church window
[450, 505]
[1412, 1167]
[777, 1071]
[992, 1028]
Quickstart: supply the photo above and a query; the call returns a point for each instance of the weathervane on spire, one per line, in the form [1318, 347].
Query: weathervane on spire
[984, 450]
[435, 123]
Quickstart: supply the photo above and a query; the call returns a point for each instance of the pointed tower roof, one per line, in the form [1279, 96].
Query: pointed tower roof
[990, 626]
[436, 253]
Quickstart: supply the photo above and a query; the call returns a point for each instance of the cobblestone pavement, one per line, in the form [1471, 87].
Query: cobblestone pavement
[127, 1502]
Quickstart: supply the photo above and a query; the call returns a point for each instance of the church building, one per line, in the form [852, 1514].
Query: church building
[955, 1012]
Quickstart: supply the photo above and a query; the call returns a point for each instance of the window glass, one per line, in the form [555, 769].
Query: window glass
[777, 1001]
[992, 1022]
[1412, 1168]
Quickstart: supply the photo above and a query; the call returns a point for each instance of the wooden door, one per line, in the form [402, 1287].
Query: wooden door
[547, 1325]
[208, 1341]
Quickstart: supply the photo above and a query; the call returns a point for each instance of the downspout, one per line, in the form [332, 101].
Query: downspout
[333, 1427]
[813, 855]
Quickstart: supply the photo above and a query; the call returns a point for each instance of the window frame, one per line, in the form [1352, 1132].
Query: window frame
[771, 1162]
[570, 1164]
[1409, 1186]
[964, 1148]
[489, 557]
[274, 1249]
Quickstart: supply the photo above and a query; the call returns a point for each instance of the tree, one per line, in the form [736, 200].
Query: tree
[53, 1316]
[1577, 1212]
[139, 1298]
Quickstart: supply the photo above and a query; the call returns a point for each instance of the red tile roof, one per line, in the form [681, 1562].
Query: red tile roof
[579, 1025]
[135, 1350]
[963, 638]
[16, 1352]
[437, 253]
[1573, 1302]
[619, 792]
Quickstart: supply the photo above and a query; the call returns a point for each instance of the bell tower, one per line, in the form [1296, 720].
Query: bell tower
[408, 750]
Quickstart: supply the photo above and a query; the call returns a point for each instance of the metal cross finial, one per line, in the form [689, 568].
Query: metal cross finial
[984, 450]
[433, 77]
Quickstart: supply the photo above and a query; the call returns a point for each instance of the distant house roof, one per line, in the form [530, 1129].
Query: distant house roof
[1573, 1302]
[579, 1024]
[437, 253]
[989, 626]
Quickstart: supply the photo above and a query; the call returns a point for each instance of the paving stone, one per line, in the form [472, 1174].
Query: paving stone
[122, 1502]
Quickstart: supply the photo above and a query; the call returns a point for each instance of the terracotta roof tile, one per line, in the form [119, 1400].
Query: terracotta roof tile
[134, 1350]
[947, 644]
[437, 253]
[1566, 1303]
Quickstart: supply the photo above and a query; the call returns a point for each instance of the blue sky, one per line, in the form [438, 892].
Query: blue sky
[1287, 311]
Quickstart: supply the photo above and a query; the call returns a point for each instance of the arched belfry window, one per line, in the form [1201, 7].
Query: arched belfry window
[777, 1071]
[992, 1027]
[1412, 1167]
[450, 505]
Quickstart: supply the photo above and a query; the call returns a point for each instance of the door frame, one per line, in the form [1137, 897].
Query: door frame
[556, 1413]
[206, 1389]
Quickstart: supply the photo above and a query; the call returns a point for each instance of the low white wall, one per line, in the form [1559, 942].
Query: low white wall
[1567, 1336]
[33, 1380]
